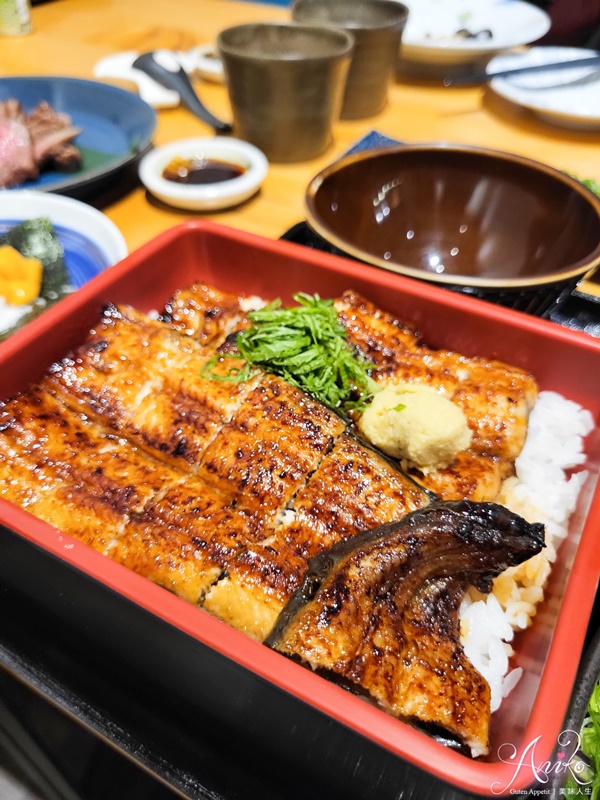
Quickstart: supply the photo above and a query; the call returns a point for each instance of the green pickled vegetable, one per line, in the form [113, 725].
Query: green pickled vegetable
[36, 238]
[584, 778]
[591, 184]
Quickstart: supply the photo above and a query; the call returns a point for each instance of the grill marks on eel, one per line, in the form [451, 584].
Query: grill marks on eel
[141, 378]
[218, 491]
[380, 611]
[223, 492]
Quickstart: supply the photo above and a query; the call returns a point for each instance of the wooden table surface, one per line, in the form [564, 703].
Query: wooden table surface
[71, 36]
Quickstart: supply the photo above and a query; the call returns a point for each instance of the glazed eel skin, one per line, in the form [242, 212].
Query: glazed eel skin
[218, 491]
[222, 492]
[380, 610]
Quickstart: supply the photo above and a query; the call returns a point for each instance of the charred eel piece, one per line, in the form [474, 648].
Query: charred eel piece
[380, 611]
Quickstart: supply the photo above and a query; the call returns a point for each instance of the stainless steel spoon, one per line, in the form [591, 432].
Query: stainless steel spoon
[164, 68]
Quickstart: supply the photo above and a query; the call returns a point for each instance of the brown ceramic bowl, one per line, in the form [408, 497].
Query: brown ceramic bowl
[478, 220]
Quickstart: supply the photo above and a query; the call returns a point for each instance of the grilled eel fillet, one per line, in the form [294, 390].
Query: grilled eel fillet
[496, 398]
[221, 492]
[380, 611]
[218, 491]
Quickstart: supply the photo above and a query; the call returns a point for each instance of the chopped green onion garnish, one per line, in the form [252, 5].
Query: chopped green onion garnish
[307, 346]
[591, 184]
[237, 374]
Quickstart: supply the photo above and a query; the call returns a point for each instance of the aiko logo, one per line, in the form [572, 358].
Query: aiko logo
[565, 763]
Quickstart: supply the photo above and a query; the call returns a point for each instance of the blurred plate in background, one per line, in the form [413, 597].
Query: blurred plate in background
[443, 36]
[90, 243]
[570, 98]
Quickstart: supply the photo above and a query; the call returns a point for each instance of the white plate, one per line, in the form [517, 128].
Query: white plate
[569, 98]
[90, 239]
[430, 31]
[208, 196]
[202, 61]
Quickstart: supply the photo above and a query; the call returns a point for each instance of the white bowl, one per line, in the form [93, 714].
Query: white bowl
[94, 239]
[207, 196]
[90, 241]
[430, 36]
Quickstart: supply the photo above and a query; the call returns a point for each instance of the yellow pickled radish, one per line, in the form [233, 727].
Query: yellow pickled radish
[20, 277]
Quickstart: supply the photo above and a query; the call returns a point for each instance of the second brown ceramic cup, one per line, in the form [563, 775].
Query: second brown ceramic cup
[377, 27]
[286, 84]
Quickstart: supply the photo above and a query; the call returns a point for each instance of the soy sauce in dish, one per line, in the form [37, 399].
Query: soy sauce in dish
[201, 170]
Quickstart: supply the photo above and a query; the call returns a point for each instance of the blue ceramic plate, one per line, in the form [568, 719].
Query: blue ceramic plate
[117, 126]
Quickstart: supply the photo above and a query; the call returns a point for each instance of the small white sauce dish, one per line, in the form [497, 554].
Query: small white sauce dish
[204, 196]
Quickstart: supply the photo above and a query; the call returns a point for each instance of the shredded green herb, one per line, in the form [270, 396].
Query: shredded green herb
[239, 373]
[584, 775]
[399, 407]
[591, 184]
[307, 346]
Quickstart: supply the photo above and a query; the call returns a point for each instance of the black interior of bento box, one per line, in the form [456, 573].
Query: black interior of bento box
[117, 667]
[198, 754]
[238, 741]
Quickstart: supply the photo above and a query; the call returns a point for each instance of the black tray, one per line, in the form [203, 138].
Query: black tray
[221, 758]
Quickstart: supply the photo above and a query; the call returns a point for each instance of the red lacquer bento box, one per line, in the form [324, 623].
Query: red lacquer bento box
[214, 669]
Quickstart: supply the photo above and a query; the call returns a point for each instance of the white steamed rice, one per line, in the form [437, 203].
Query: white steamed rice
[541, 491]
[10, 315]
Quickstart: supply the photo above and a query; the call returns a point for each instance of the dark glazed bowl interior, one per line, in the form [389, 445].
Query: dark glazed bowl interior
[457, 215]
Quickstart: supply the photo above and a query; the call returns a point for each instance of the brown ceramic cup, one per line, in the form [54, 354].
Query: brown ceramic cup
[286, 84]
[377, 27]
